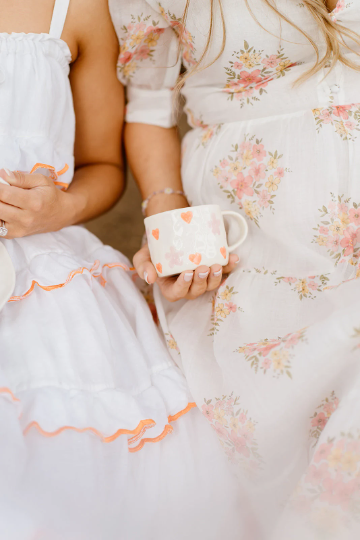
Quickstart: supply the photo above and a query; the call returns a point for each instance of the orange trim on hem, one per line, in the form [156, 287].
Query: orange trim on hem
[5, 390]
[111, 438]
[176, 416]
[168, 429]
[70, 278]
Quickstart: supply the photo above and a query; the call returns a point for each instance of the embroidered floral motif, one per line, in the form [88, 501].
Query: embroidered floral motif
[245, 85]
[329, 494]
[250, 177]
[272, 355]
[141, 39]
[186, 39]
[222, 307]
[321, 416]
[339, 230]
[357, 337]
[208, 132]
[235, 429]
[345, 119]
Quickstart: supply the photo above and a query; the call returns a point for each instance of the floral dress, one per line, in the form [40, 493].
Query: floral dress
[272, 357]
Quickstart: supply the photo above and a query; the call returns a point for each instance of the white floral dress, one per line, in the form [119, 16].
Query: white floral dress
[272, 357]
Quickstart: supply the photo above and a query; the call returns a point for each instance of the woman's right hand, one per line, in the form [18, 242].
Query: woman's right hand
[188, 285]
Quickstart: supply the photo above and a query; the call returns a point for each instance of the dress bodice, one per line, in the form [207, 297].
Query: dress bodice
[37, 121]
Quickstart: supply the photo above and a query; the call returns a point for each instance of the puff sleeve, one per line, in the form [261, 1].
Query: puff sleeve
[149, 61]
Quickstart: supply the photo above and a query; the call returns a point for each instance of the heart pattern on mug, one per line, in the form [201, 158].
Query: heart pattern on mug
[223, 252]
[155, 234]
[159, 268]
[187, 217]
[195, 258]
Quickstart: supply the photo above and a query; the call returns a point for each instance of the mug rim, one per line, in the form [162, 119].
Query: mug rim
[186, 208]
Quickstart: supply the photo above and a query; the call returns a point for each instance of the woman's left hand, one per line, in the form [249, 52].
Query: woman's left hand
[32, 204]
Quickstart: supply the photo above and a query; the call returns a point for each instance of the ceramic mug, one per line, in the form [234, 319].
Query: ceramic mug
[186, 238]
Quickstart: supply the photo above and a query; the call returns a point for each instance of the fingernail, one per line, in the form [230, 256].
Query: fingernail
[238, 260]
[146, 278]
[188, 276]
[203, 275]
[218, 273]
[8, 173]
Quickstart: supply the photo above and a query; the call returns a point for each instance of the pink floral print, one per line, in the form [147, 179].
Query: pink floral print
[339, 230]
[235, 429]
[321, 416]
[208, 132]
[141, 39]
[272, 355]
[222, 307]
[246, 84]
[329, 494]
[345, 119]
[340, 6]
[305, 287]
[186, 39]
[214, 224]
[250, 177]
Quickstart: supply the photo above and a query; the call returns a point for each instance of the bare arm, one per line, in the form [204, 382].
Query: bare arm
[155, 158]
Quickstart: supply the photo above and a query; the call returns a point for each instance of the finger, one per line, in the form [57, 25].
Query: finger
[144, 266]
[199, 284]
[23, 180]
[233, 261]
[215, 276]
[176, 288]
[10, 214]
[13, 195]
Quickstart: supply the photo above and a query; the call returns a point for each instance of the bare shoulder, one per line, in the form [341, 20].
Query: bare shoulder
[89, 27]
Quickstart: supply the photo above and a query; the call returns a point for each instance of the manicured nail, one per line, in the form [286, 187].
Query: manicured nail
[188, 276]
[218, 273]
[8, 173]
[238, 260]
[146, 278]
[203, 275]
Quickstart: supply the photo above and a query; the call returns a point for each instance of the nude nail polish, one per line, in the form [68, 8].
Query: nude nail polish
[8, 173]
[188, 277]
[218, 273]
[146, 278]
[203, 275]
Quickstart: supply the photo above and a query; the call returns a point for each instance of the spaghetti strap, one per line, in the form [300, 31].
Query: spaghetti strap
[58, 19]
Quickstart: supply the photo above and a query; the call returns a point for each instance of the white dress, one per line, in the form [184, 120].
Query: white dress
[87, 385]
[273, 357]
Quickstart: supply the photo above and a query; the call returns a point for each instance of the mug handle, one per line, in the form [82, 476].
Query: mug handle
[243, 223]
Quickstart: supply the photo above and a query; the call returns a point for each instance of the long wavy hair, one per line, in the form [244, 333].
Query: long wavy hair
[334, 35]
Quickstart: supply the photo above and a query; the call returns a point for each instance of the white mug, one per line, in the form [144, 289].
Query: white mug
[186, 238]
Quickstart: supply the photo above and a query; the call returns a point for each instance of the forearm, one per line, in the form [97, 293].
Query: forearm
[154, 156]
[93, 191]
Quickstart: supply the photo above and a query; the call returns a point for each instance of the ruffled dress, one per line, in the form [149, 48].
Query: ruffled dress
[87, 385]
[272, 358]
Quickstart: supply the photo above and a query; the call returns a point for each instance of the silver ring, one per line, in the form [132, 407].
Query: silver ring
[3, 229]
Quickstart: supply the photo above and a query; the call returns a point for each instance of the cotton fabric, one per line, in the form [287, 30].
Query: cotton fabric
[90, 399]
[272, 357]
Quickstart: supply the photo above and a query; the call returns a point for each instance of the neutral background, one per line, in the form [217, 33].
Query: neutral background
[123, 227]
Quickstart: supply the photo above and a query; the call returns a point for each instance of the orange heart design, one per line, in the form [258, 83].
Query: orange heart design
[223, 252]
[196, 259]
[155, 234]
[159, 268]
[187, 216]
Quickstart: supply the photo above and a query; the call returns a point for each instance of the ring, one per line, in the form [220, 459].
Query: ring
[3, 229]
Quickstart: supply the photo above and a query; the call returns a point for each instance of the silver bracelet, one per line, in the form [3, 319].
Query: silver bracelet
[166, 191]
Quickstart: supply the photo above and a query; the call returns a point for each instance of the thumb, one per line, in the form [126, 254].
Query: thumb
[144, 266]
[23, 180]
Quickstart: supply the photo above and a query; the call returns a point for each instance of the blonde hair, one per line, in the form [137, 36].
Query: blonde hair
[333, 33]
